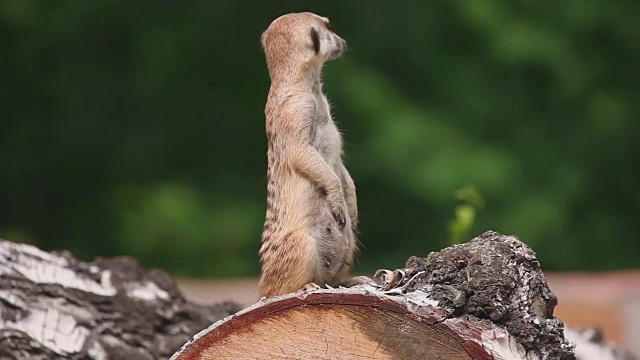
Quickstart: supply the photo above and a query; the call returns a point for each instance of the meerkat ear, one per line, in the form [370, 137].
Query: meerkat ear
[315, 39]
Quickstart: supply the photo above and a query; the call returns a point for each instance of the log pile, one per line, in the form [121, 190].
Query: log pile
[486, 299]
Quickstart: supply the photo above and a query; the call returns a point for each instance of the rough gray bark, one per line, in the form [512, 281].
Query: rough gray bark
[55, 307]
[498, 278]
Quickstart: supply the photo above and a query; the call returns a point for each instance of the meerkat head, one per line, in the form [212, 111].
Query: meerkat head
[299, 42]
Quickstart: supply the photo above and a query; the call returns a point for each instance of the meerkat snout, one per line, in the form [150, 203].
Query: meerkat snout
[340, 47]
[326, 43]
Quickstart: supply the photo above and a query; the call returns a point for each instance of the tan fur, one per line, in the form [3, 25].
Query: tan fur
[309, 231]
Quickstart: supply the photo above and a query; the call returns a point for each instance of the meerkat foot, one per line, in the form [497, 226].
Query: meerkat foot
[311, 287]
[356, 280]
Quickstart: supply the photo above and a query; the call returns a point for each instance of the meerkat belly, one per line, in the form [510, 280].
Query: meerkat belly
[328, 143]
[325, 136]
[332, 248]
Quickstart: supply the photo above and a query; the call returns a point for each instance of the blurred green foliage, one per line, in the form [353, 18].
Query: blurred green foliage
[470, 201]
[138, 127]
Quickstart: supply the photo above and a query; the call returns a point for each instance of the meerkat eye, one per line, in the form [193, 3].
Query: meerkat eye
[315, 39]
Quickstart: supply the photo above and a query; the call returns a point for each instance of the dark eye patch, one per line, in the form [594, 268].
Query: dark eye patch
[315, 39]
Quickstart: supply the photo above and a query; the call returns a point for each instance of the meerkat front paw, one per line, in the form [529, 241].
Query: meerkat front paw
[339, 215]
[339, 212]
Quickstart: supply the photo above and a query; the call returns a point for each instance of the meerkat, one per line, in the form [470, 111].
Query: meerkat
[309, 237]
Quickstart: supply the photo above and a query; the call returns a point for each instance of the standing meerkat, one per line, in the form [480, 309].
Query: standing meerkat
[309, 232]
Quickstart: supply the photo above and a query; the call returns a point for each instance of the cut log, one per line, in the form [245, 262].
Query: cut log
[347, 324]
[486, 299]
[55, 307]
